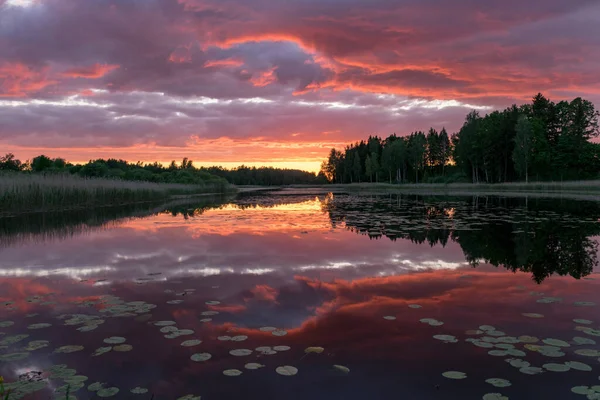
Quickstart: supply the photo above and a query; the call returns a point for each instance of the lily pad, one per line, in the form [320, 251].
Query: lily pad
[341, 368]
[498, 382]
[286, 370]
[213, 303]
[556, 342]
[494, 396]
[584, 390]
[389, 317]
[531, 370]
[6, 324]
[581, 340]
[454, 375]
[139, 390]
[474, 332]
[232, 372]
[446, 338]
[528, 339]
[487, 328]
[281, 348]
[533, 315]
[579, 366]
[115, 340]
[587, 352]
[191, 343]
[414, 306]
[584, 303]
[189, 397]
[267, 329]
[240, 352]
[68, 349]
[583, 321]
[123, 348]
[556, 367]
[239, 338]
[253, 366]
[7, 341]
[101, 350]
[431, 322]
[498, 353]
[279, 332]
[41, 325]
[199, 357]
[37, 344]
[94, 387]
[314, 349]
[164, 323]
[108, 392]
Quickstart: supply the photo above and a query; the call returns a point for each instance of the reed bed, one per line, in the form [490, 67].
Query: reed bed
[21, 193]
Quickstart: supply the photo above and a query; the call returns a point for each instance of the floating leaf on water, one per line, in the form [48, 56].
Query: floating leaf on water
[431, 321]
[587, 352]
[224, 338]
[518, 363]
[41, 325]
[508, 339]
[505, 346]
[498, 353]
[209, 313]
[414, 306]
[528, 339]
[579, 366]
[164, 323]
[474, 332]
[533, 315]
[498, 382]
[446, 338]
[556, 367]
[14, 356]
[206, 320]
[239, 338]
[495, 333]
[531, 370]
[482, 344]
[581, 340]
[32, 315]
[7, 341]
[115, 340]
[101, 350]
[314, 349]
[240, 352]
[123, 348]
[584, 303]
[556, 342]
[494, 396]
[341, 368]
[454, 375]
[267, 329]
[286, 370]
[68, 349]
[199, 357]
[174, 301]
[592, 332]
[253, 366]
[584, 390]
[279, 332]
[281, 348]
[190, 343]
[487, 328]
[36, 345]
[213, 303]
[549, 300]
[389, 317]
[139, 390]
[516, 353]
[94, 387]
[532, 347]
[168, 329]
[189, 397]
[232, 372]
[76, 378]
[108, 392]
[583, 321]
[6, 324]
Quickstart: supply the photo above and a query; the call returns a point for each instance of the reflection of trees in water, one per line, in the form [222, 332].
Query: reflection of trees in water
[41, 227]
[540, 236]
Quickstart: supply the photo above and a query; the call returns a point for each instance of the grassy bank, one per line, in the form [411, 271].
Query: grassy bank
[22, 193]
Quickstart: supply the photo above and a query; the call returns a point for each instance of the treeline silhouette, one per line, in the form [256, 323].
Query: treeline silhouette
[542, 140]
[184, 172]
[538, 236]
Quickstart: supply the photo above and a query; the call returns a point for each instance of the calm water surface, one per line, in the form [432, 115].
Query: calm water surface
[365, 281]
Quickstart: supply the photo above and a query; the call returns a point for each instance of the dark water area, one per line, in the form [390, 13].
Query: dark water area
[356, 296]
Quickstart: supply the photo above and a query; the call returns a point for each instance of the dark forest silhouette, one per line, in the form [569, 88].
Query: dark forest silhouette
[537, 141]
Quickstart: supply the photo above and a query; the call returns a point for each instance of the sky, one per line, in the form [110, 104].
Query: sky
[264, 82]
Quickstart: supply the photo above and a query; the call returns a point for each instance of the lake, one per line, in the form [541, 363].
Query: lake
[296, 294]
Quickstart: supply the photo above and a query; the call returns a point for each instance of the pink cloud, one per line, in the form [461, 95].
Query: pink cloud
[93, 71]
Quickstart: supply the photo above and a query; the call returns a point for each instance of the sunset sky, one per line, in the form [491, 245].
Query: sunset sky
[272, 82]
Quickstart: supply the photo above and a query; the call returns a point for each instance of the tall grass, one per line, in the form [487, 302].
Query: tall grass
[20, 193]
